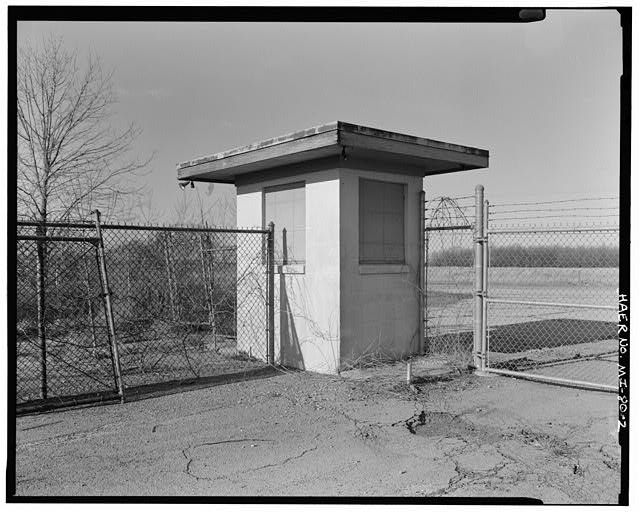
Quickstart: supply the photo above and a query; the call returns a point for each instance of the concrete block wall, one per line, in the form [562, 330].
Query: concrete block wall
[307, 297]
[379, 303]
[332, 310]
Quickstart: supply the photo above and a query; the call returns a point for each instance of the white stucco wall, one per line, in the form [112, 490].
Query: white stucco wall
[379, 310]
[333, 310]
[307, 298]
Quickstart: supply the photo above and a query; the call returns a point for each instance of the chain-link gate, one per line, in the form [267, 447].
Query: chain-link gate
[448, 237]
[188, 302]
[63, 344]
[531, 300]
[552, 305]
[179, 303]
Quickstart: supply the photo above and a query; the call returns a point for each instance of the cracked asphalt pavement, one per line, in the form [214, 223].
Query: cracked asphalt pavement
[303, 434]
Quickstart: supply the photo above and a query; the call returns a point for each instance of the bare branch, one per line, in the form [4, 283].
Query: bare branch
[69, 156]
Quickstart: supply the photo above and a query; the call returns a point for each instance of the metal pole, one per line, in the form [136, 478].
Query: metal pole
[41, 271]
[554, 380]
[270, 295]
[478, 278]
[552, 304]
[207, 291]
[484, 342]
[168, 257]
[106, 292]
[422, 284]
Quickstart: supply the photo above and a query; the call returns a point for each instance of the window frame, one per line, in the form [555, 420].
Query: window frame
[400, 263]
[293, 265]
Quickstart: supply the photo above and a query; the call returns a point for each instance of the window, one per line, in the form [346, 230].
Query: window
[285, 207]
[381, 214]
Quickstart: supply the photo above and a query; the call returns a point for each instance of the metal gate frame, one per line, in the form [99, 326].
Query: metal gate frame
[482, 299]
[98, 244]
[99, 236]
[455, 220]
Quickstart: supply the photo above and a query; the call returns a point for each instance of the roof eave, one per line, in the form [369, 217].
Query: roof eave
[330, 139]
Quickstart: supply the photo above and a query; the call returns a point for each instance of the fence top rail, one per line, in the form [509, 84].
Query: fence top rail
[183, 229]
[447, 228]
[90, 239]
[57, 224]
[141, 227]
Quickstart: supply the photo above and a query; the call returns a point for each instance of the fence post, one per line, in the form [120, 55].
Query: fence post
[484, 343]
[168, 257]
[41, 272]
[422, 285]
[208, 285]
[106, 293]
[478, 288]
[270, 295]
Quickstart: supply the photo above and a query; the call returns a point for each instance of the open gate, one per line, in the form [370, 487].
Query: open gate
[535, 301]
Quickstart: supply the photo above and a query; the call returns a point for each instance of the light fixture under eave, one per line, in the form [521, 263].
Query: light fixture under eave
[183, 184]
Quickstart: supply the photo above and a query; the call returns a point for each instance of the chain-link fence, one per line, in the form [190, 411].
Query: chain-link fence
[540, 301]
[449, 278]
[62, 341]
[175, 297]
[186, 303]
[551, 289]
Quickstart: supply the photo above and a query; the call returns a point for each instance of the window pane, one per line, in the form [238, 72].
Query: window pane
[371, 196]
[295, 249]
[286, 208]
[371, 228]
[371, 252]
[394, 198]
[381, 221]
[393, 230]
[269, 202]
[299, 210]
[278, 247]
[394, 253]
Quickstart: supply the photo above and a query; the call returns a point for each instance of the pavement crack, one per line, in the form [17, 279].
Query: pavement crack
[287, 460]
[212, 443]
[189, 458]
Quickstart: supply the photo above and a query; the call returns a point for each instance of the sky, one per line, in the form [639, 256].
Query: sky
[543, 97]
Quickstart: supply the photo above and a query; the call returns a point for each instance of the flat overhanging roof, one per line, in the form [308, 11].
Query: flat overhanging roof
[336, 138]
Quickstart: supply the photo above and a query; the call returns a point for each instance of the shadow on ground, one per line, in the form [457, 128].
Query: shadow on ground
[143, 392]
[523, 336]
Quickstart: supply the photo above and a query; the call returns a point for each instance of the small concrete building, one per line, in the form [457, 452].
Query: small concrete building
[347, 205]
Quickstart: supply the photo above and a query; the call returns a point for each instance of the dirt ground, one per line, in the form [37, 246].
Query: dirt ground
[364, 433]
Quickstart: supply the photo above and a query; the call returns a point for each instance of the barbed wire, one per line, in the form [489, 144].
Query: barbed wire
[556, 226]
[554, 217]
[560, 201]
[83, 224]
[531, 210]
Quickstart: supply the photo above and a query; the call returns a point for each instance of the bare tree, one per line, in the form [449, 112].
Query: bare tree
[70, 159]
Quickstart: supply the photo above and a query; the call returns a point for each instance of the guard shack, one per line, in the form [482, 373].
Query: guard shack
[347, 204]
